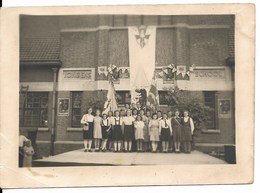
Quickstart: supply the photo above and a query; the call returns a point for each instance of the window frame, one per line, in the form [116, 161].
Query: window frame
[78, 108]
[124, 102]
[214, 106]
[41, 109]
[162, 91]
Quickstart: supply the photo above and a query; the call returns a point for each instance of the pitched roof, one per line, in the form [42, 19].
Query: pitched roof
[40, 35]
[39, 49]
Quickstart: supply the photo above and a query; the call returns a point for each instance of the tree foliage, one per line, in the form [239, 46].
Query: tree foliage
[186, 100]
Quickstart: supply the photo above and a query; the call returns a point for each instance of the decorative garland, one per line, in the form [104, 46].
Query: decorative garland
[170, 70]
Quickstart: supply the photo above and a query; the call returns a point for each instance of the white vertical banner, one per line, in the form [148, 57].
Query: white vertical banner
[141, 42]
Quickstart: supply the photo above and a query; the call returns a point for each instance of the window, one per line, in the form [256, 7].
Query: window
[209, 100]
[163, 97]
[123, 97]
[76, 109]
[33, 109]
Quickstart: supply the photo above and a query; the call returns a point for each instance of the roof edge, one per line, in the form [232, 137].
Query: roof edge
[49, 63]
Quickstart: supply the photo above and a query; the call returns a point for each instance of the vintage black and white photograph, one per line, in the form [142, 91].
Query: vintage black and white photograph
[139, 95]
[126, 90]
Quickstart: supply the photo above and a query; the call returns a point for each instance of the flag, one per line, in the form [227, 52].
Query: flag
[141, 41]
[110, 104]
[152, 99]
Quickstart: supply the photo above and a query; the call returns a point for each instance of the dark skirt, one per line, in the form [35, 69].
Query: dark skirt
[176, 134]
[117, 133]
[186, 134]
[89, 133]
[129, 134]
[104, 132]
[165, 134]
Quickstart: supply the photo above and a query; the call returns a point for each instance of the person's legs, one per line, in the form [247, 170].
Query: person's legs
[130, 145]
[144, 146]
[125, 144]
[141, 145]
[115, 145]
[85, 144]
[163, 146]
[179, 146]
[188, 147]
[98, 144]
[166, 146]
[111, 145]
[119, 145]
[155, 145]
[104, 144]
[90, 144]
[185, 146]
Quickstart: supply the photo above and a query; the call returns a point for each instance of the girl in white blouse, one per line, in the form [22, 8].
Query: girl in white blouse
[139, 132]
[117, 131]
[128, 121]
[165, 131]
[87, 121]
[187, 132]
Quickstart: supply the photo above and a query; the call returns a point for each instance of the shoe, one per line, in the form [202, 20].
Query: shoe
[85, 150]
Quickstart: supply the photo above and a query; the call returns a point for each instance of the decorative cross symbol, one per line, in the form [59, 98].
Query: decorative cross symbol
[142, 38]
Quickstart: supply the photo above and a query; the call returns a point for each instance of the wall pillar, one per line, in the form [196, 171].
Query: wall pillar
[53, 113]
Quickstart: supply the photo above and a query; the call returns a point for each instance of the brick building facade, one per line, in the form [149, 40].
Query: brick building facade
[61, 58]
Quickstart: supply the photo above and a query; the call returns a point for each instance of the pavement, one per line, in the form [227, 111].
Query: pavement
[81, 158]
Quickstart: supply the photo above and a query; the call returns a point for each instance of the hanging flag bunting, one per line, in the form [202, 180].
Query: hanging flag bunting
[141, 57]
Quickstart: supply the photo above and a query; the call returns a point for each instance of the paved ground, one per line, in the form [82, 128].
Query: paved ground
[78, 157]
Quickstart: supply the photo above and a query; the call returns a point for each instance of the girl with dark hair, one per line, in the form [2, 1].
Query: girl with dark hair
[117, 131]
[139, 132]
[154, 131]
[187, 131]
[145, 130]
[110, 133]
[165, 131]
[105, 131]
[128, 121]
[87, 121]
[134, 113]
[97, 134]
[176, 130]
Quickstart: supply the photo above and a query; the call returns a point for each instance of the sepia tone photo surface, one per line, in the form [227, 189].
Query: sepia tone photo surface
[114, 90]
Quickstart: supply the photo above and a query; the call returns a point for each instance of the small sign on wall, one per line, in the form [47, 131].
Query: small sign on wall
[63, 108]
[224, 108]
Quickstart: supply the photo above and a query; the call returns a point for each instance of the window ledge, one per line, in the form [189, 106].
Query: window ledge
[74, 129]
[213, 131]
[43, 129]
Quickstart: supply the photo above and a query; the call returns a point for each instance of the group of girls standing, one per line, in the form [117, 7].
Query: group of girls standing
[137, 130]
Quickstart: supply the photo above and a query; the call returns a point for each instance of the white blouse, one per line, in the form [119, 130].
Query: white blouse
[87, 118]
[128, 120]
[191, 123]
[165, 124]
[111, 120]
[120, 119]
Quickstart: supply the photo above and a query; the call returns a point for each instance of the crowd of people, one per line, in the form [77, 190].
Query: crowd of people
[136, 129]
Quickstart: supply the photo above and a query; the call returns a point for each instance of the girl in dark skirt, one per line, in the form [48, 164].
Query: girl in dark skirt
[87, 121]
[110, 133]
[187, 131]
[128, 130]
[117, 131]
[176, 130]
[105, 131]
[165, 130]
